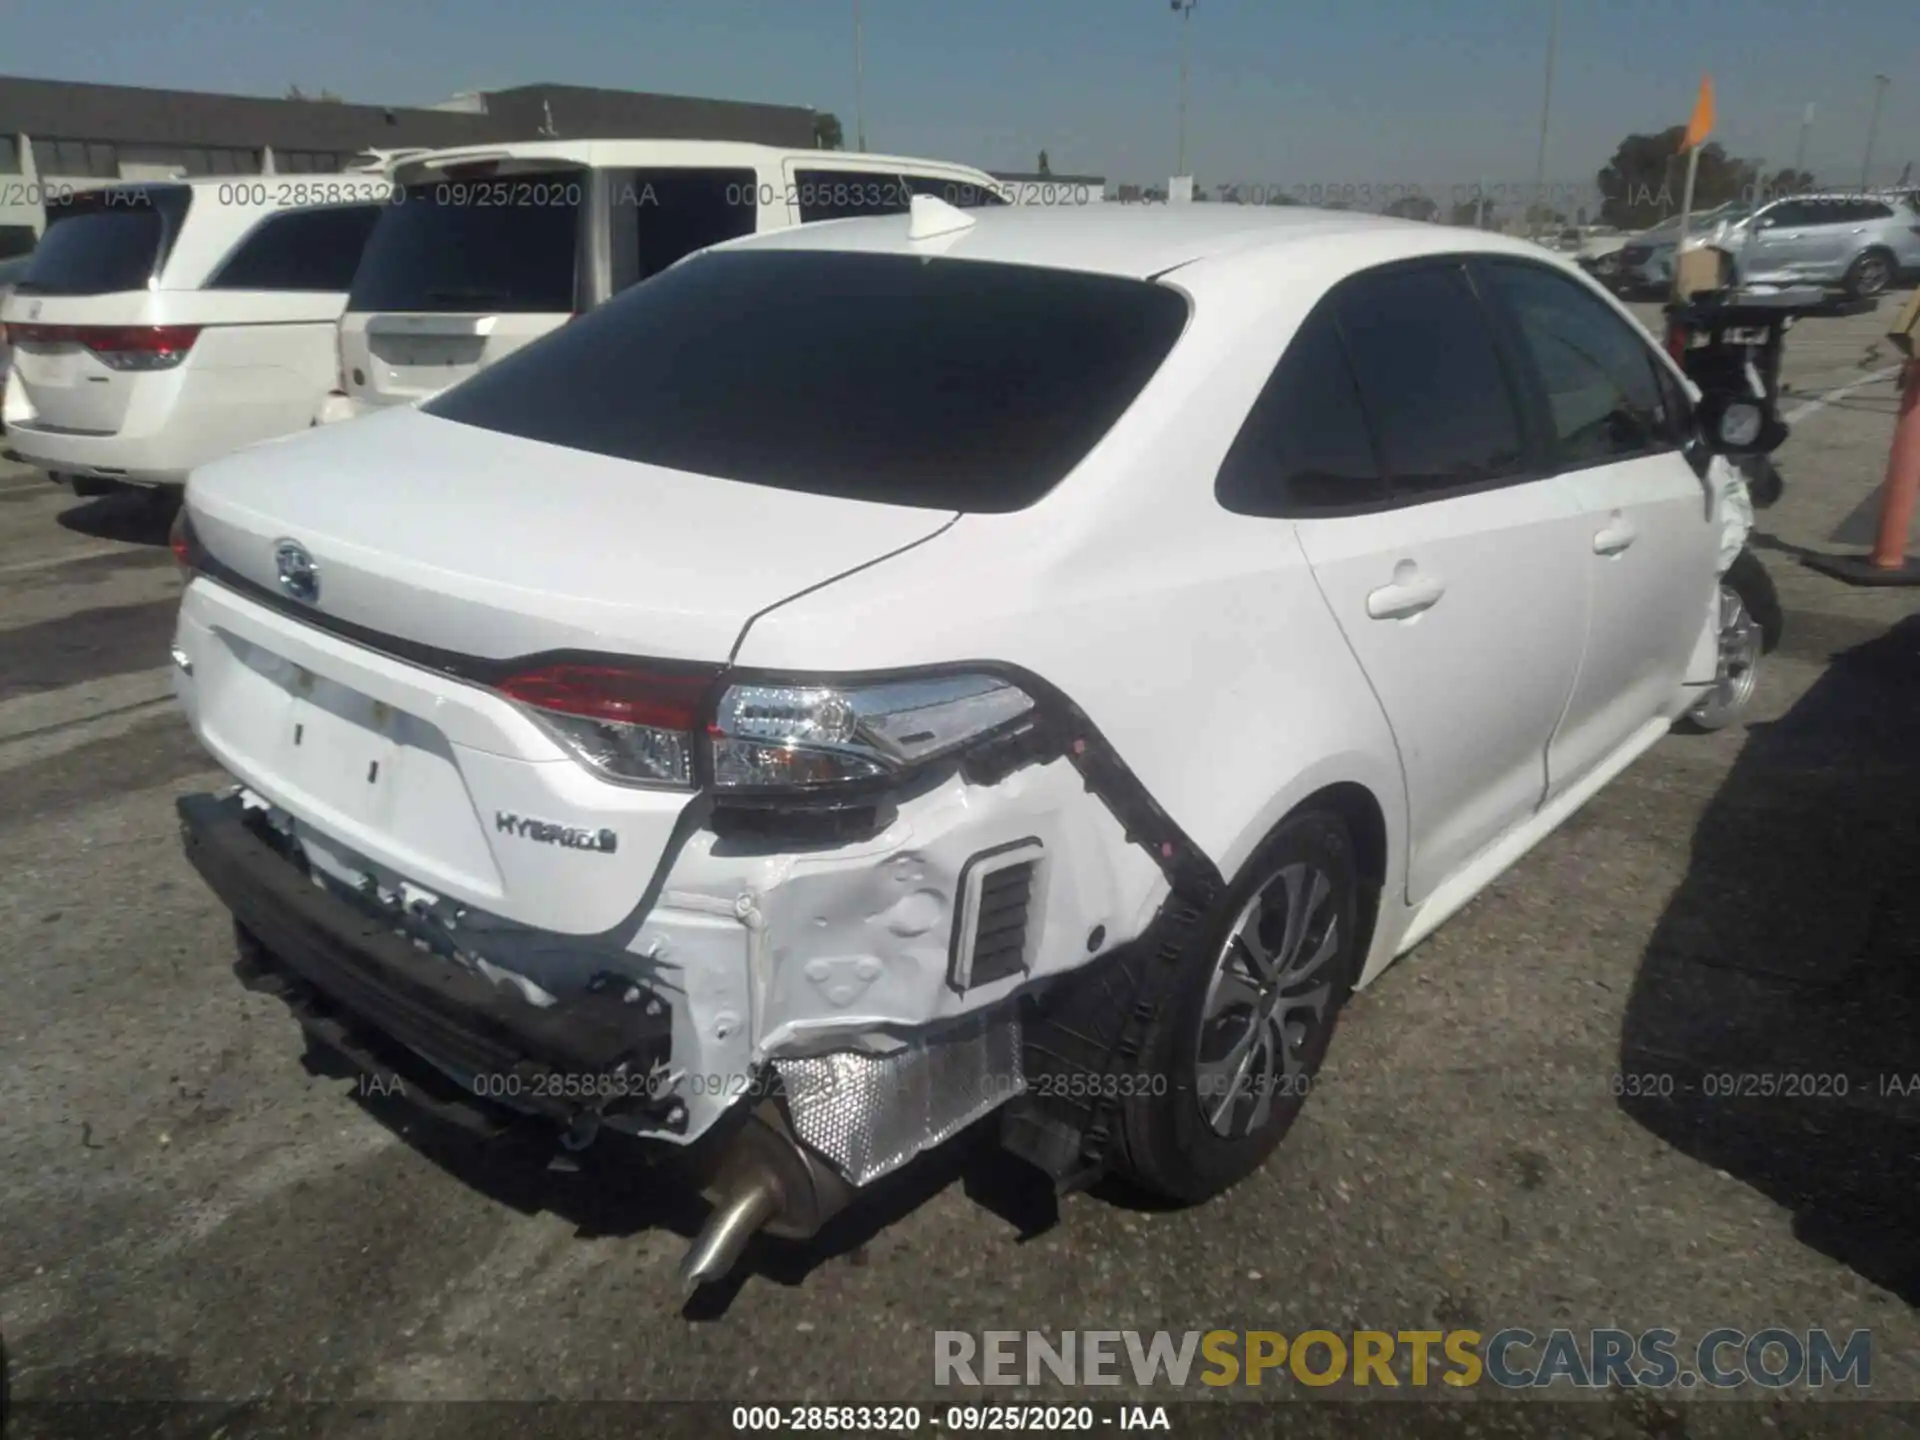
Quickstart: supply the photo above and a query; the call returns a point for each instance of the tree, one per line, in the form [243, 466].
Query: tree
[1467, 212]
[1277, 196]
[1787, 182]
[827, 134]
[1043, 167]
[1412, 207]
[294, 92]
[1645, 180]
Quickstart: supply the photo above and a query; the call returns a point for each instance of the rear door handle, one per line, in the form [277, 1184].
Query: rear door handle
[1404, 599]
[1616, 537]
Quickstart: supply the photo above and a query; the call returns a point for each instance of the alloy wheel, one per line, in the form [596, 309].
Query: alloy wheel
[1738, 668]
[1270, 993]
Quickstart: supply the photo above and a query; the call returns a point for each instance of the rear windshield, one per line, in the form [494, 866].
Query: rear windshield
[503, 243]
[98, 242]
[946, 384]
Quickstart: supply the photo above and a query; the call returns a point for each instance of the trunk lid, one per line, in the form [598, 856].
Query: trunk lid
[486, 545]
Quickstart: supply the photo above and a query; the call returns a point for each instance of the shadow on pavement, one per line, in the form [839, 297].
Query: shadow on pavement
[138, 517]
[617, 1187]
[1781, 989]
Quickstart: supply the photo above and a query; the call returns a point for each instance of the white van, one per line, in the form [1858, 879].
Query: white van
[487, 248]
[161, 325]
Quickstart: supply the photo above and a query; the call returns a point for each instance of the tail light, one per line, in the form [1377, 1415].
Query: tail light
[184, 544]
[120, 347]
[640, 724]
[634, 725]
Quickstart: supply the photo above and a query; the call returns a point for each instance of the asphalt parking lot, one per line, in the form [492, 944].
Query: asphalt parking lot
[190, 1212]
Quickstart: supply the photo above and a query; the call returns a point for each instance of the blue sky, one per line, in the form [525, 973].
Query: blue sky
[1283, 91]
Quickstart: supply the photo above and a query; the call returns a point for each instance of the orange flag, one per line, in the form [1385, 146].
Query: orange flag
[1701, 125]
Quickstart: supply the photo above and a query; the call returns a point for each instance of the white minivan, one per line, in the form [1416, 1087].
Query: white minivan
[487, 248]
[161, 325]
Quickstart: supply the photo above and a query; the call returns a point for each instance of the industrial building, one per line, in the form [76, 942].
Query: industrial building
[57, 135]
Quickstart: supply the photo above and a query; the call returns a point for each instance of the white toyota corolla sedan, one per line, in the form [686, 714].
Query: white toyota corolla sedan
[885, 672]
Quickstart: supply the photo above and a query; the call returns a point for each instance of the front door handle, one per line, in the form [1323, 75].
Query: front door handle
[1616, 537]
[1405, 598]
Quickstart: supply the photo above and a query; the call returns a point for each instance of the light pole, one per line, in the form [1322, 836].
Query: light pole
[859, 87]
[1880, 83]
[1546, 112]
[1184, 9]
[1800, 151]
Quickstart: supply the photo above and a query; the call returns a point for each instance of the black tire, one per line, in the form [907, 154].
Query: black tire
[1168, 1145]
[1870, 274]
[1750, 579]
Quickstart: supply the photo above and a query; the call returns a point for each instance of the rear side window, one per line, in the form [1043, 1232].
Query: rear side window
[500, 244]
[844, 194]
[102, 241]
[300, 250]
[938, 383]
[660, 216]
[1596, 370]
[1304, 448]
[1442, 410]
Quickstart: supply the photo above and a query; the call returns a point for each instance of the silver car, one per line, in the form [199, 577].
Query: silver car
[1859, 243]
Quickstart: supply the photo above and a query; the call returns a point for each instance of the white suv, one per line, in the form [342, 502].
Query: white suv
[875, 674]
[487, 248]
[159, 326]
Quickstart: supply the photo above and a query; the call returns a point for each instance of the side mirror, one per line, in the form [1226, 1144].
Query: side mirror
[1738, 425]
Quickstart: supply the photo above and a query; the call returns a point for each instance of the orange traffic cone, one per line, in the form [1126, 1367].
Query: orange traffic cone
[1888, 564]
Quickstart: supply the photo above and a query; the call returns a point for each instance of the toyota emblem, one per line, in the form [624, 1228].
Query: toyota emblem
[299, 576]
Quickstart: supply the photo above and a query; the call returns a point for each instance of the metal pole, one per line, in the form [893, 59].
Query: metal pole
[859, 86]
[1546, 112]
[1880, 83]
[1185, 10]
[1800, 151]
[1686, 210]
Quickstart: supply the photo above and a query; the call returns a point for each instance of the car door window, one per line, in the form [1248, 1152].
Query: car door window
[1597, 373]
[843, 194]
[1788, 215]
[316, 250]
[1304, 448]
[674, 212]
[1439, 401]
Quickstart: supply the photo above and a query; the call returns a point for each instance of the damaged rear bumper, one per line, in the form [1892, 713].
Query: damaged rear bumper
[346, 972]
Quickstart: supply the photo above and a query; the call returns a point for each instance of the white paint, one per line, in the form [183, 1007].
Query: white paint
[54, 562]
[258, 368]
[1237, 665]
[1840, 392]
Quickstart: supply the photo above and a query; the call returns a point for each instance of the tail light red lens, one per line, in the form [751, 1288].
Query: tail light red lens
[122, 347]
[662, 699]
[182, 542]
[632, 724]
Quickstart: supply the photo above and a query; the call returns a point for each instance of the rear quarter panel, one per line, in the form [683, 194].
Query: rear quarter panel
[1196, 640]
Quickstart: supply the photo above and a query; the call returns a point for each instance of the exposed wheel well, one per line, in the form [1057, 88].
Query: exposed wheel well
[1367, 826]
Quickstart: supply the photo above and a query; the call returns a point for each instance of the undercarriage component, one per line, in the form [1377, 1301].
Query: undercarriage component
[763, 1179]
[871, 1114]
[1083, 1042]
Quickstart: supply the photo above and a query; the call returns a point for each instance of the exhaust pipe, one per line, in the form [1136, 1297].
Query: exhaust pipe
[764, 1180]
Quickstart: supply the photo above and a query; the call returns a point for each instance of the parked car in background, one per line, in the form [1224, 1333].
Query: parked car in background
[10, 271]
[491, 247]
[1861, 244]
[1646, 259]
[160, 325]
[805, 704]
